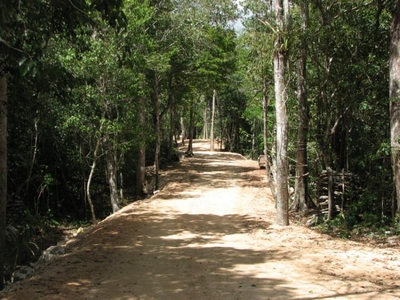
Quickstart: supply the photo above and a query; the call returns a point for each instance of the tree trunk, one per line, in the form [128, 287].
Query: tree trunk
[189, 151]
[183, 131]
[33, 160]
[268, 166]
[394, 94]
[111, 162]
[3, 173]
[205, 123]
[282, 166]
[92, 169]
[171, 132]
[141, 165]
[300, 190]
[212, 121]
[253, 140]
[156, 112]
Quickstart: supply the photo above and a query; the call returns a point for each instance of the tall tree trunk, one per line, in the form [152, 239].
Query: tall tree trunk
[220, 135]
[171, 108]
[205, 123]
[268, 166]
[34, 154]
[141, 165]
[394, 93]
[323, 112]
[111, 163]
[189, 151]
[183, 131]
[171, 131]
[300, 189]
[212, 121]
[282, 166]
[253, 140]
[3, 173]
[89, 181]
[156, 112]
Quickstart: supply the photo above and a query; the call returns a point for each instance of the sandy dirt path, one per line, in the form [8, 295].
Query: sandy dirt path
[210, 234]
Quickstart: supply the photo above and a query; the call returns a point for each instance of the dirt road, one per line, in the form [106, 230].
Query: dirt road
[210, 234]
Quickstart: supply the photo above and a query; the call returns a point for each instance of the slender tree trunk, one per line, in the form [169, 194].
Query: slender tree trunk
[156, 112]
[205, 123]
[141, 170]
[323, 110]
[92, 170]
[212, 121]
[268, 166]
[300, 194]
[394, 69]
[111, 162]
[253, 140]
[220, 135]
[141, 165]
[171, 132]
[157, 152]
[121, 184]
[3, 173]
[34, 154]
[282, 166]
[191, 130]
[171, 108]
[88, 195]
[183, 131]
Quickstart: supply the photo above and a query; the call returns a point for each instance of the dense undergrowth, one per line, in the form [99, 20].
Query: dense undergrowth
[26, 240]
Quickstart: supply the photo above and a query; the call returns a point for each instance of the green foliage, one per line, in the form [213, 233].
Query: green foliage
[216, 61]
[26, 240]
[78, 72]
[337, 227]
[347, 75]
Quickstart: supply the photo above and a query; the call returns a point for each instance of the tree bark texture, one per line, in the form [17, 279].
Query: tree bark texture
[394, 94]
[171, 131]
[253, 140]
[300, 194]
[3, 173]
[282, 166]
[271, 181]
[212, 121]
[141, 167]
[189, 151]
[89, 181]
[205, 123]
[157, 119]
[183, 131]
[111, 162]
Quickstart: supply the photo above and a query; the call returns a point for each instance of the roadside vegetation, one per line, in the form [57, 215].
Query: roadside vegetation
[93, 92]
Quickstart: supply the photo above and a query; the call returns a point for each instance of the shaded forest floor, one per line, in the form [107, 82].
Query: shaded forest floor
[209, 234]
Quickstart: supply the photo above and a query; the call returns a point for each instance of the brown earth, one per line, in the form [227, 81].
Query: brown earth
[209, 234]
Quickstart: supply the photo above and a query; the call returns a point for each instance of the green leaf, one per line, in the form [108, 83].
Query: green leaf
[22, 61]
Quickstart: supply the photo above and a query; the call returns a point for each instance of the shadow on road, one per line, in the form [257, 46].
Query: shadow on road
[174, 257]
[163, 248]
